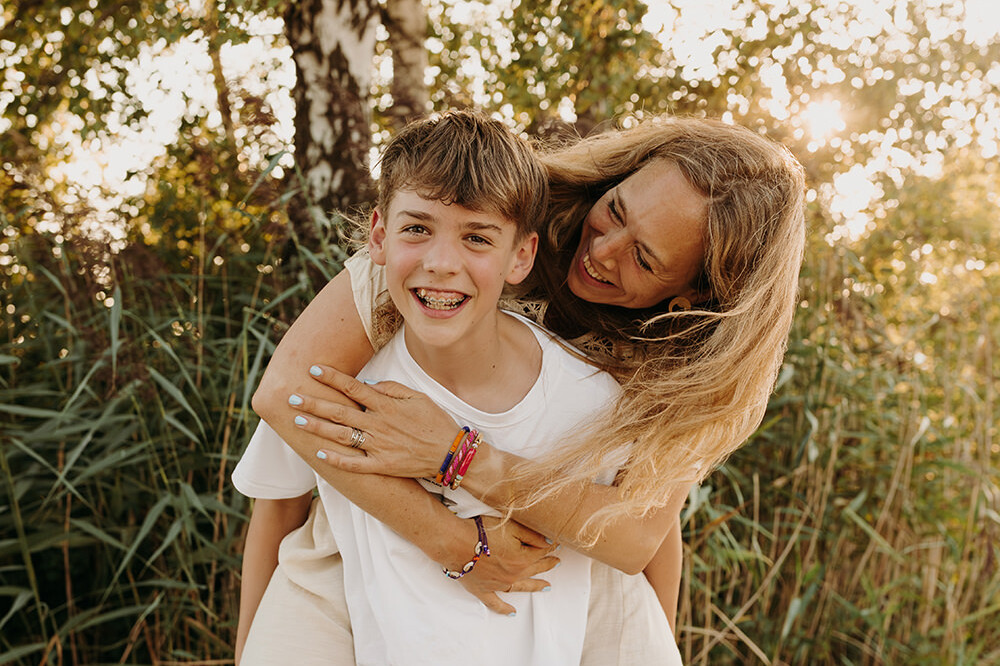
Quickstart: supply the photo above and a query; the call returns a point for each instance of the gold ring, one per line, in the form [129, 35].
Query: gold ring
[357, 438]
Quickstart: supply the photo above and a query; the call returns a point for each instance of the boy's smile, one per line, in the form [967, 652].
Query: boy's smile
[446, 266]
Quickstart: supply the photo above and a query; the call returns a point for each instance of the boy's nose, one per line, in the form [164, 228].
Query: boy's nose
[441, 257]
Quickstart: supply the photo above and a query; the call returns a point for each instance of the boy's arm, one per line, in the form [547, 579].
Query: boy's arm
[270, 522]
[664, 573]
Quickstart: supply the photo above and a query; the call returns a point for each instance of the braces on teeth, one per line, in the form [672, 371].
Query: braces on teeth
[438, 303]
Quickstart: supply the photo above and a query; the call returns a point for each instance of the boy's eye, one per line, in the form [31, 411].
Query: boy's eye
[415, 229]
[479, 240]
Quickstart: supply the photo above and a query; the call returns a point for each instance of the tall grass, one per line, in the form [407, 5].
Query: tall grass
[124, 400]
[857, 527]
[859, 524]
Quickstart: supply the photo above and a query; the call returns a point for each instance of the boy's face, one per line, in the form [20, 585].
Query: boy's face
[446, 265]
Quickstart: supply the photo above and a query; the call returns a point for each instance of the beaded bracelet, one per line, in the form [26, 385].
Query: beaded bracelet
[458, 459]
[462, 434]
[482, 548]
[463, 464]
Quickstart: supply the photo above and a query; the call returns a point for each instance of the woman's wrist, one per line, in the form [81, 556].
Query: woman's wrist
[484, 477]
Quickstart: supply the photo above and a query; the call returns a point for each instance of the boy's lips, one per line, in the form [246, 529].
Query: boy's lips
[436, 299]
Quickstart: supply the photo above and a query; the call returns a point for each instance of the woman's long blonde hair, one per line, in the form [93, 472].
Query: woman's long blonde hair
[696, 383]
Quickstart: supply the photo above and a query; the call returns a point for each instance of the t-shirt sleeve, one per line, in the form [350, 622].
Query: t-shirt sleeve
[270, 469]
[367, 283]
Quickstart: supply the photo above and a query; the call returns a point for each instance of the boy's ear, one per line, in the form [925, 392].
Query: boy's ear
[376, 238]
[523, 259]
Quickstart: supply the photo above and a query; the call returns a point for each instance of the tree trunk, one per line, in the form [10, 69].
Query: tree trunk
[333, 44]
[406, 22]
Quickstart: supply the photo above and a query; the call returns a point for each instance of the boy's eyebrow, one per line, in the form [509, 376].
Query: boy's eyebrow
[424, 216]
[418, 214]
[484, 226]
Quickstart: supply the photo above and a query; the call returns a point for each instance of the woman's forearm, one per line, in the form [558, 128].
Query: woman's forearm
[329, 331]
[664, 572]
[627, 543]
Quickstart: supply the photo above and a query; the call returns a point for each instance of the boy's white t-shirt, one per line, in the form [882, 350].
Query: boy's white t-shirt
[403, 609]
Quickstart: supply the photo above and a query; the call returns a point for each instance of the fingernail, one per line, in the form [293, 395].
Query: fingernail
[546, 588]
[294, 399]
[556, 564]
[547, 540]
[315, 371]
[321, 455]
[300, 420]
[512, 614]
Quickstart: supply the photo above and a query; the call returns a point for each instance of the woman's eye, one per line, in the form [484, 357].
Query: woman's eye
[613, 209]
[643, 264]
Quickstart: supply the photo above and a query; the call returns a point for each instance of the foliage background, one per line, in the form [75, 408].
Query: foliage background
[860, 523]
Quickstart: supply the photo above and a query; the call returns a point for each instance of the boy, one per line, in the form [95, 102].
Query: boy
[450, 237]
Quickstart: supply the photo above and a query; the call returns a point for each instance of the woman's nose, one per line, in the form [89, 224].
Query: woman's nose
[607, 247]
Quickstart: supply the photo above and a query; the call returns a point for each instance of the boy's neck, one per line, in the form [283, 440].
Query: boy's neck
[491, 371]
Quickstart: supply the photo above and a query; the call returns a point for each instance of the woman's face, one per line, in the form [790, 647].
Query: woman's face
[643, 241]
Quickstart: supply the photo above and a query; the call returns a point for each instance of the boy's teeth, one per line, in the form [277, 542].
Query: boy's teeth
[438, 302]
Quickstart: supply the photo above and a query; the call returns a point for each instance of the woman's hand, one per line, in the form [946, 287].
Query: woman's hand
[517, 554]
[405, 433]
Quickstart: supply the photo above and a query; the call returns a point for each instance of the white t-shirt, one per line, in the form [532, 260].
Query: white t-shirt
[403, 609]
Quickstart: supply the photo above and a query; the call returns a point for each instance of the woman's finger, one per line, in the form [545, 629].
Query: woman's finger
[337, 413]
[530, 585]
[493, 602]
[357, 391]
[350, 460]
[531, 538]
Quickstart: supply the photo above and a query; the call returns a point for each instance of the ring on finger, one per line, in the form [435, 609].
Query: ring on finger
[357, 438]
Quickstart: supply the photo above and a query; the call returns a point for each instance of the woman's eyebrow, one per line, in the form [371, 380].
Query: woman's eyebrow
[623, 211]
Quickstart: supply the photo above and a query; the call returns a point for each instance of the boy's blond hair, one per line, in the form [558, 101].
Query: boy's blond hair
[468, 159]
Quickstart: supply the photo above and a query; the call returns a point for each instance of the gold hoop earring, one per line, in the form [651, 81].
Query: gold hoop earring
[679, 304]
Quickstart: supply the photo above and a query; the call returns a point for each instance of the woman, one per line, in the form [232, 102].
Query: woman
[672, 258]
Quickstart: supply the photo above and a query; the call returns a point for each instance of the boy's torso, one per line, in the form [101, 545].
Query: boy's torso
[401, 602]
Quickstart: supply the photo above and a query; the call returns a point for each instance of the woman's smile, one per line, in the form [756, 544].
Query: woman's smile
[588, 267]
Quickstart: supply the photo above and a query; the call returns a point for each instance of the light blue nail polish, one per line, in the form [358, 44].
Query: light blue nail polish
[512, 614]
[315, 371]
[321, 455]
[369, 382]
[294, 399]
[546, 588]
[300, 420]
[547, 540]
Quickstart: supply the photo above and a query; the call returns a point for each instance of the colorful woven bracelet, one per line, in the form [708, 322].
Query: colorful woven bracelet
[462, 434]
[482, 548]
[456, 460]
[463, 465]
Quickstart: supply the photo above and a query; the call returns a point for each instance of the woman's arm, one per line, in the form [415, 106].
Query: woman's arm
[270, 522]
[664, 573]
[330, 331]
[627, 543]
[408, 435]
